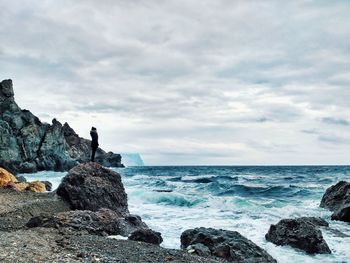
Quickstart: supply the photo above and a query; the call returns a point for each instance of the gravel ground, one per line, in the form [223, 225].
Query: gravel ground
[16, 208]
[19, 244]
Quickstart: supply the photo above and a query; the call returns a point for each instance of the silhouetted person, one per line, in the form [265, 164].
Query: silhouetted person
[94, 142]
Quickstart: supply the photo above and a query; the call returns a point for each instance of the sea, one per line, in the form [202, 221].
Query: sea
[247, 199]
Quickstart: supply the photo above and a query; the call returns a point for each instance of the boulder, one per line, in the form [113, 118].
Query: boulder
[101, 222]
[36, 186]
[336, 196]
[90, 186]
[302, 233]
[230, 245]
[342, 214]
[147, 236]
[6, 177]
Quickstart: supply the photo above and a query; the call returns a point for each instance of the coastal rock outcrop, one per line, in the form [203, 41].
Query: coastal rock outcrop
[336, 196]
[101, 222]
[342, 214]
[91, 187]
[230, 245]
[8, 180]
[28, 145]
[337, 199]
[146, 235]
[302, 233]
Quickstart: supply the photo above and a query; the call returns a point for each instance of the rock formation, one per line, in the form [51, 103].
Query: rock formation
[28, 145]
[91, 187]
[302, 233]
[8, 180]
[100, 205]
[337, 199]
[230, 245]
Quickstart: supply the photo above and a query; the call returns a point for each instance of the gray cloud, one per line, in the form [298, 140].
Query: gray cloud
[335, 121]
[216, 81]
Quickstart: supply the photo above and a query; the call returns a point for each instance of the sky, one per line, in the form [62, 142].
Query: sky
[183, 82]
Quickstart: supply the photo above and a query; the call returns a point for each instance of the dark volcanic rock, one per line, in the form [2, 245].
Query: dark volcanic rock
[342, 214]
[146, 235]
[91, 187]
[28, 145]
[337, 199]
[336, 196]
[199, 249]
[301, 233]
[103, 221]
[230, 245]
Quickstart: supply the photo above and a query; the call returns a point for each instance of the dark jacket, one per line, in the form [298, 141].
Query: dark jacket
[94, 139]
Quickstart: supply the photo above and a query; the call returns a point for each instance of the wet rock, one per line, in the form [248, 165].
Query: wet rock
[48, 185]
[342, 214]
[91, 187]
[146, 235]
[336, 196]
[337, 199]
[230, 245]
[301, 233]
[102, 222]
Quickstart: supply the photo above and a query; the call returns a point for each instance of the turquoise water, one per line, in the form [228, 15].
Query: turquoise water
[246, 199]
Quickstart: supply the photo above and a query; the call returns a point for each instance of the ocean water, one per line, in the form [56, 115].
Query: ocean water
[245, 199]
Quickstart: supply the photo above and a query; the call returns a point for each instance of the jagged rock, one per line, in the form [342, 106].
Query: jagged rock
[6, 177]
[301, 233]
[146, 235]
[342, 214]
[336, 196]
[28, 145]
[91, 187]
[102, 222]
[337, 199]
[230, 245]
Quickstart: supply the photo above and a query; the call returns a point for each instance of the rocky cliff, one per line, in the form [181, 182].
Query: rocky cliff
[28, 145]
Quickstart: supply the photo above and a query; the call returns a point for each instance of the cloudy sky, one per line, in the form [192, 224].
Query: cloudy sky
[188, 81]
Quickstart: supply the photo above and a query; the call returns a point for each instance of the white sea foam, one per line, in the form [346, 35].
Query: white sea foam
[253, 203]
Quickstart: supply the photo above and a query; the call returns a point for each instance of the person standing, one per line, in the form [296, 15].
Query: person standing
[94, 142]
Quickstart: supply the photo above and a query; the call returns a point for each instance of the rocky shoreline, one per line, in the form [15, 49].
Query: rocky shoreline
[70, 238]
[87, 220]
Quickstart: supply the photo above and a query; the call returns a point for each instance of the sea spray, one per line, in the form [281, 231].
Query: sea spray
[246, 199]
